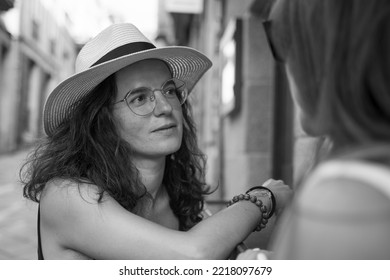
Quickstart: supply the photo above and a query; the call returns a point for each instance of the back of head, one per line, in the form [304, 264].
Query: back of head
[338, 53]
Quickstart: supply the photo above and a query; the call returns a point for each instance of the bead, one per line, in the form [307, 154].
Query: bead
[273, 200]
[258, 203]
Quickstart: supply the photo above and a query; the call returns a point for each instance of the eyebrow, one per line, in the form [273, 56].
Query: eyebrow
[169, 81]
[135, 90]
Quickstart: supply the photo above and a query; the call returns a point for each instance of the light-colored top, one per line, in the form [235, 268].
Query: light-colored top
[342, 211]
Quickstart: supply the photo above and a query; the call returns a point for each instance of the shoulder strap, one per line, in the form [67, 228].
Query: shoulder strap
[40, 253]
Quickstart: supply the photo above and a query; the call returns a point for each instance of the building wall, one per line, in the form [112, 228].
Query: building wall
[264, 138]
[41, 54]
[248, 133]
[206, 36]
[9, 85]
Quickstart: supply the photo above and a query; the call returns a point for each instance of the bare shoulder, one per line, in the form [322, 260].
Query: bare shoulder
[346, 189]
[58, 190]
[73, 202]
[344, 195]
[336, 215]
[65, 198]
[65, 207]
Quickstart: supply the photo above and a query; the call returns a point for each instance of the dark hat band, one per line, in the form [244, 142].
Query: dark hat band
[125, 50]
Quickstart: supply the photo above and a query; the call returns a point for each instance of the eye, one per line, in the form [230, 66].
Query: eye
[138, 97]
[170, 91]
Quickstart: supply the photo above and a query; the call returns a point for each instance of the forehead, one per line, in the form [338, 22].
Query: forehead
[151, 72]
[148, 67]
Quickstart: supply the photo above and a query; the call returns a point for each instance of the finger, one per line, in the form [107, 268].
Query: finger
[269, 181]
[261, 256]
[248, 255]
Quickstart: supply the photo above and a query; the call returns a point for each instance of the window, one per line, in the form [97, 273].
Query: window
[53, 45]
[35, 30]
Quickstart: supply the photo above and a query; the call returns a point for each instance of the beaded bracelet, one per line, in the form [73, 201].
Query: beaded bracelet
[273, 200]
[263, 209]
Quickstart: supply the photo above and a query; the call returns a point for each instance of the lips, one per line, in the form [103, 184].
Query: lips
[164, 127]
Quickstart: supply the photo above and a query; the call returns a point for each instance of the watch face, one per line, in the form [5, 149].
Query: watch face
[262, 193]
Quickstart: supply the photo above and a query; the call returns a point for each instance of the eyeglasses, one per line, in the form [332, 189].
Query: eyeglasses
[142, 100]
[267, 28]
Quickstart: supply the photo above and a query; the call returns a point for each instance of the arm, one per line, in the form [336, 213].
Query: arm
[107, 231]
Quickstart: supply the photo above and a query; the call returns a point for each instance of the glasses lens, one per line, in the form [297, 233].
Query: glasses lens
[268, 32]
[141, 101]
[175, 89]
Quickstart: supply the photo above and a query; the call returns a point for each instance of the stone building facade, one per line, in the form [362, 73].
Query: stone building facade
[40, 54]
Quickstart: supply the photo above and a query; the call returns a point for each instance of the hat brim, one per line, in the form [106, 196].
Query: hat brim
[185, 63]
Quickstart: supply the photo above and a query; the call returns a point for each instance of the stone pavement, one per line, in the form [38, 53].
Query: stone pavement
[17, 215]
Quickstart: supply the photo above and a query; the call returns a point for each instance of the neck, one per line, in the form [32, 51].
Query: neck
[151, 172]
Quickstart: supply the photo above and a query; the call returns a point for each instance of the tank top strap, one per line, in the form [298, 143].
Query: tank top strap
[40, 253]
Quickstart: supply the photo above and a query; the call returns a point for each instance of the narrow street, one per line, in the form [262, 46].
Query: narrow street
[17, 215]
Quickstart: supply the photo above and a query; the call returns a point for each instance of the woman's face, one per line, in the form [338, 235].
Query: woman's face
[159, 133]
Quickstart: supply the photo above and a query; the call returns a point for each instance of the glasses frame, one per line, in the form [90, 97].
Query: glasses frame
[267, 24]
[184, 94]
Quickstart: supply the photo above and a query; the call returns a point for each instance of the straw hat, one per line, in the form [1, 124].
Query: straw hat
[114, 48]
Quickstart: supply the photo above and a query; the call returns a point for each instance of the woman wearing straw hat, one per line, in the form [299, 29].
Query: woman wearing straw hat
[120, 175]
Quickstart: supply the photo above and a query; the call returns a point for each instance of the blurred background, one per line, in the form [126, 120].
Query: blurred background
[246, 120]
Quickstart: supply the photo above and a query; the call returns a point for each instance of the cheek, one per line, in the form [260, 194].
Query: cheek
[300, 95]
[127, 128]
[179, 118]
[295, 94]
[307, 116]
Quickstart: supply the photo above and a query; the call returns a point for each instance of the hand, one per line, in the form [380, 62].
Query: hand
[253, 254]
[282, 193]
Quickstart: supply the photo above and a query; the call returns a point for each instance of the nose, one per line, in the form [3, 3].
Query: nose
[162, 104]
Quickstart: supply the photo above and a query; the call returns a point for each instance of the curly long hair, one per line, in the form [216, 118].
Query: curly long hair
[87, 149]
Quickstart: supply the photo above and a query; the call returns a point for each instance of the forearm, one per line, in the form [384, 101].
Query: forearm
[217, 236]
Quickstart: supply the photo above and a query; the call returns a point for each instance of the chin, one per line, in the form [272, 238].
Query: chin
[168, 148]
